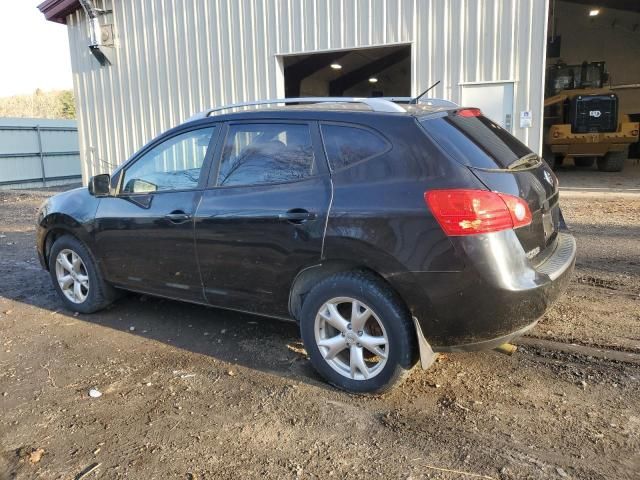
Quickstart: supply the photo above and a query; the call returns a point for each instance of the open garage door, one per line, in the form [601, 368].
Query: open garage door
[363, 72]
[592, 87]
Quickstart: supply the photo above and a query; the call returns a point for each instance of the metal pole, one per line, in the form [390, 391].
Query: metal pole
[44, 177]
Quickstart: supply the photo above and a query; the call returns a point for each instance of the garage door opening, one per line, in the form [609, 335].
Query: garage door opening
[365, 72]
[592, 86]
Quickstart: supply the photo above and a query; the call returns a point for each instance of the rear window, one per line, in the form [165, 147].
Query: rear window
[475, 141]
[348, 145]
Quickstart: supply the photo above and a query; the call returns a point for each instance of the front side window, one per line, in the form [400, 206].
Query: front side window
[348, 145]
[257, 154]
[175, 164]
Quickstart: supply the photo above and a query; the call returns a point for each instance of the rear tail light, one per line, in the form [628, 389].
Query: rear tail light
[469, 112]
[469, 212]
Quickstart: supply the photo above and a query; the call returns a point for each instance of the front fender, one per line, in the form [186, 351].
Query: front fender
[73, 212]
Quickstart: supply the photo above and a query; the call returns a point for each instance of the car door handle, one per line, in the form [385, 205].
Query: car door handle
[177, 217]
[297, 216]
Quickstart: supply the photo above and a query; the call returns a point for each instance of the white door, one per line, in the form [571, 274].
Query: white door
[494, 99]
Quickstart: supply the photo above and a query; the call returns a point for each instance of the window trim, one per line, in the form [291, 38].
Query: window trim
[217, 163]
[389, 144]
[204, 172]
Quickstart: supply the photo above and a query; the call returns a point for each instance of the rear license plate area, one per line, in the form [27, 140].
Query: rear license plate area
[548, 225]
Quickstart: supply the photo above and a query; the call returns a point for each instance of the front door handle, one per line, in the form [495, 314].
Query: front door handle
[297, 216]
[177, 217]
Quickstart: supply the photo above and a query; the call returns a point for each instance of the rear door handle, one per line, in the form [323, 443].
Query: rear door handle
[177, 217]
[297, 216]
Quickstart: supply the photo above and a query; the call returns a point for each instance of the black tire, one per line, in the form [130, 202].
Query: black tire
[99, 294]
[612, 161]
[390, 312]
[584, 161]
[552, 160]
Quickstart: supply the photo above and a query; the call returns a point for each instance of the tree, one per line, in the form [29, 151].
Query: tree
[68, 104]
[53, 104]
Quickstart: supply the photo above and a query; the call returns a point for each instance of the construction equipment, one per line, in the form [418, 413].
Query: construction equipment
[582, 118]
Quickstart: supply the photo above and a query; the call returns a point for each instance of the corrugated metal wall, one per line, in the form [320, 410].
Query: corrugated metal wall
[36, 152]
[178, 57]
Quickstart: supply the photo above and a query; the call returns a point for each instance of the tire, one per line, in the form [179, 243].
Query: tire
[552, 160]
[613, 161]
[584, 161]
[94, 293]
[389, 321]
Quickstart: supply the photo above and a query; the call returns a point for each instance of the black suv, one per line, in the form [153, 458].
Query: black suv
[388, 232]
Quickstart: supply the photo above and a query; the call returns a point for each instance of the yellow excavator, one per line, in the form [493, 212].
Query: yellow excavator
[582, 118]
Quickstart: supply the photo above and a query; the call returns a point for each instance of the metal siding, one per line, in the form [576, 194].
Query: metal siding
[176, 57]
[19, 138]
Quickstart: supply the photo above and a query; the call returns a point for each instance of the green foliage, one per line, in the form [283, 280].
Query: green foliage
[68, 104]
[53, 104]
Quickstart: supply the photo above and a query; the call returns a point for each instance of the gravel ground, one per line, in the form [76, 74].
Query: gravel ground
[192, 392]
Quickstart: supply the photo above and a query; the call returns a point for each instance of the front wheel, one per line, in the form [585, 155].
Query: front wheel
[357, 332]
[76, 277]
[613, 161]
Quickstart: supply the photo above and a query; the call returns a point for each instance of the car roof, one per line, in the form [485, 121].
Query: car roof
[323, 110]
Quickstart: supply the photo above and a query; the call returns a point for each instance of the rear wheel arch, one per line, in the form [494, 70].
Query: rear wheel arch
[312, 275]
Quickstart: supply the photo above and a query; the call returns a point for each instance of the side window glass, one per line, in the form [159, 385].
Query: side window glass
[348, 145]
[175, 164]
[256, 154]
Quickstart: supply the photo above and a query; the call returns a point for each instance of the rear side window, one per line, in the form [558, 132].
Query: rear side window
[348, 145]
[474, 140]
[258, 154]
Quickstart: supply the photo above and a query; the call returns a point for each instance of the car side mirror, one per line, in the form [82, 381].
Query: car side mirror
[99, 185]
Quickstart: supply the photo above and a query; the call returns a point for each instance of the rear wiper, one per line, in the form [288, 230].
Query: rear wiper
[528, 160]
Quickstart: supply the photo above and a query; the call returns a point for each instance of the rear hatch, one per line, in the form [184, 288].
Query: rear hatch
[503, 164]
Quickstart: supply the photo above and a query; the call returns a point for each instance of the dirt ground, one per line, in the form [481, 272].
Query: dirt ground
[191, 392]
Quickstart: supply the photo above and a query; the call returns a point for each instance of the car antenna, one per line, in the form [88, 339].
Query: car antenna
[414, 101]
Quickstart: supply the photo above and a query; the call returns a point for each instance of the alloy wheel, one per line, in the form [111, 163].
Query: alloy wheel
[351, 338]
[72, 276]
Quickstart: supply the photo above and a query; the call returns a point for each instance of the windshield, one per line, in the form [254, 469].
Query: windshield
[474, 140]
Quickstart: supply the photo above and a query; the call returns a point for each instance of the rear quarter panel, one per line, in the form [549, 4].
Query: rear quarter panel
[378, 215]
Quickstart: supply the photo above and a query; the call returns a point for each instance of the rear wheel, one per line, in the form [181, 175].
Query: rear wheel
[584, 161]
[613, 161]
[357, 333]
[76, 277]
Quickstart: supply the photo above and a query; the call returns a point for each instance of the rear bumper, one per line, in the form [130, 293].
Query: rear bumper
[499, 296]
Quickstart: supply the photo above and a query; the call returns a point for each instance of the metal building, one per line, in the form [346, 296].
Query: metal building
[154, 63]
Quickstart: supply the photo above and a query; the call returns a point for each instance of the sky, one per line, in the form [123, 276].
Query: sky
[34, 53]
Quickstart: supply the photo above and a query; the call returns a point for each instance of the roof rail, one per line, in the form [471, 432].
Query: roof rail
[377, 104]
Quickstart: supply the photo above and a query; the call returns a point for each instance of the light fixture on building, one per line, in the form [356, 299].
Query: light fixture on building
[373, 80]
[336, 66]
[594, 11]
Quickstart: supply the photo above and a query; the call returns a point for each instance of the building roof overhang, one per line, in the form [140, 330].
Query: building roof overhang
[57, 10]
